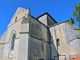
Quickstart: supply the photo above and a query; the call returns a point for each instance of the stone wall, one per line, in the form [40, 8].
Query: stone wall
[72, 37]
[13, 26]
[23, 47]
[43, 19]
[16, 46]
[57, 32]
[71, 32]
[68, 37]
[35, 47]
[1, 51]
[2, 45]
[75, 45]
[3, 37]
[53, 50]
[38, 40]
[24, 40]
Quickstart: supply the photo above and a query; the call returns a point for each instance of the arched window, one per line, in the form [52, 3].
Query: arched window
[12, 42]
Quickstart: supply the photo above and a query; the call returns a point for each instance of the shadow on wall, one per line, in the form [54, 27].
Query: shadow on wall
[53, 50]
[54, 55]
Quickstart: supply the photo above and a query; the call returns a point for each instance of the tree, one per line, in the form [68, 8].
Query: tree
[76, 13]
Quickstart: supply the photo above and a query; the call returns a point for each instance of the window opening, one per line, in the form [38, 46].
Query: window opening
[12, 42]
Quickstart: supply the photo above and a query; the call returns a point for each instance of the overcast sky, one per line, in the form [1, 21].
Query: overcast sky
[60, 10]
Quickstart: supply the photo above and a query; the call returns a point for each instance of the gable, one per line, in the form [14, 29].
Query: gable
[20, 12]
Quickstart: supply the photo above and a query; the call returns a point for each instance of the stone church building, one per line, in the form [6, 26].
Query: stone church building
[41, 38]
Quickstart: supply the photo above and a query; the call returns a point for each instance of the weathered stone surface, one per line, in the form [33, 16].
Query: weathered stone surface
[1, 51]
[35, 29]
[23, 47]
[35, 49]
[3, 37]
[37, 39]
[20, 13]
[43, 19]
[25, 20]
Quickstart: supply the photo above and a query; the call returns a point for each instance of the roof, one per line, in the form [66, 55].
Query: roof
[48, 15]
[70, 19]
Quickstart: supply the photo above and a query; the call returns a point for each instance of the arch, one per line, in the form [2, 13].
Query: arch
[12, 39]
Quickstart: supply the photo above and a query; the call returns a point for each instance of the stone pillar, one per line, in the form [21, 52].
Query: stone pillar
[23, 42]
[23, 47]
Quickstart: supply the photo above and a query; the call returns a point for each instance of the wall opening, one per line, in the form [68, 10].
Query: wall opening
[16, 19]
[13, 41]
[58, 42]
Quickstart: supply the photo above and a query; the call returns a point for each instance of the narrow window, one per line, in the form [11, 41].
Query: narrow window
[16, 19]
[58, 42]
[12, 42]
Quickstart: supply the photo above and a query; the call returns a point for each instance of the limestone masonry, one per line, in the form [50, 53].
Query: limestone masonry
[41, 38]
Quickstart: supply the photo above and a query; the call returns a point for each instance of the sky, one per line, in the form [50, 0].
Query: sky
[60, 10]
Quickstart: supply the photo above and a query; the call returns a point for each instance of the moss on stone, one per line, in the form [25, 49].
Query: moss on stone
[69, 22]
[77, 29]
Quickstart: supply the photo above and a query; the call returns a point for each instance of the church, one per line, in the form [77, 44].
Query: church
[41, 38]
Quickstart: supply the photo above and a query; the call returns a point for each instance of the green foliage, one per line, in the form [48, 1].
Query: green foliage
[69, 22]
[76, 13]
[77, 29]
